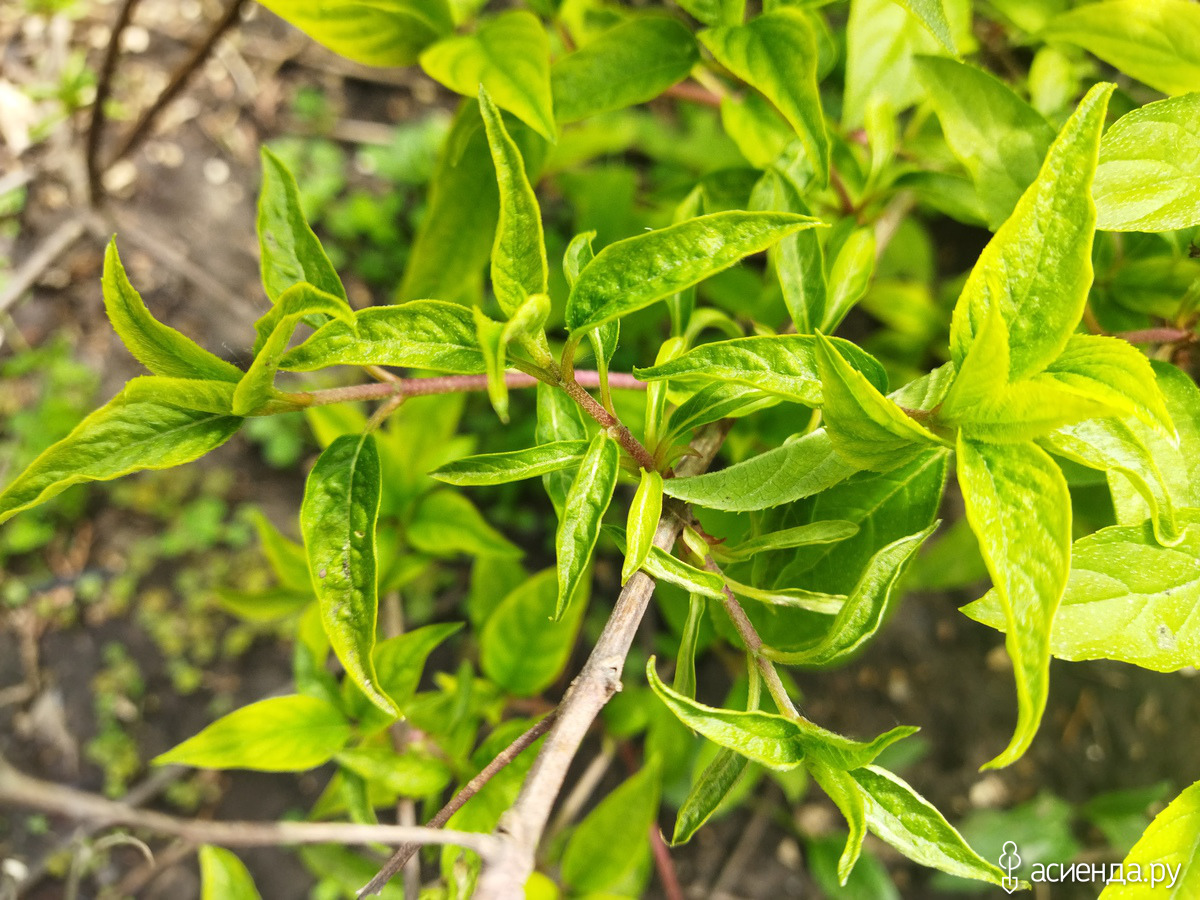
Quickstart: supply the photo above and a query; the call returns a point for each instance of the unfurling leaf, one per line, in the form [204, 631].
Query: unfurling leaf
[158, 347]
[501, 468]
[282, 734]
[644, 513]
[1020, 509]
[633, 273]
[337, 519]
[590, 493]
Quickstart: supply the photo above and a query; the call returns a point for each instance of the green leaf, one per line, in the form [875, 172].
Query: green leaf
[519, 266]
[612, 842]
[405, 775]
[632, 274]
[849, 276]
[584, 507]
[298, 302]
[1019, 507]
[1054, 220]
[714, 402]
[798, 258]
[523, 647]
[844, 791]
[685, 661]
[802, 535]
[559, 418]
[399, 662]
[1148, 178]
[864, 611]
[224, 877]
[705, 796]
[644, 513]
[508, 55]
[865, 427]
[423, 334]
[133, 431]
[933, 16]
[446, 523]
[1170, 842]
[372, 32]
[283, 734]
[1128, 598]
[337, 519]
[776, 54]
[772, 740]
[515, 465]
[804, 467]
[782, 364]
[715, 12]
[661, 565]
[290, 252]
[1114, 372]
[285, 557]
[997, 136]
[628, 64]
[578, 254]
[907, 821]
[1154, 41]
[494, 347]
[158, 347]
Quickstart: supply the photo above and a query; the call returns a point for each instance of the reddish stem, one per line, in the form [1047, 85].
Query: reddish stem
[1158, 336]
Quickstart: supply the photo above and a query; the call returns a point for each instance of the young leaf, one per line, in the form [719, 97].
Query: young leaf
[783, 364]
[129, 433]
[644, 513]
[864, 611]
[633, 273]
[579, 253]
[800, 536]
[158, 347]
[706, 795]
[865, 427]
[283, 734]
[661, 565]
[285, 557]
[798, 258]
[685, 662]
[1128, 598]
[1169, 842]
[515, 465]
[509, 56]
[844, 791]
[776, 54]
[519, 266]
[224, 877]
[907, 821]
[933, 16]
[1148, 178]
[399, 662]
[849, 277]
[998, 137]
[446, 523]
[804, 467]
[1055, 218]
[631, 63]
[290, 252]
[1154, 41]
[612, 842]
[714, 402]
[559, 418]
[716, 12]
[405, 775]
[422, 334]
[1019, 507]
[523, 647]
[772, 740]
[375, 34]
[337, 519]
[494, 348]
[584, 507]
[1114, 372]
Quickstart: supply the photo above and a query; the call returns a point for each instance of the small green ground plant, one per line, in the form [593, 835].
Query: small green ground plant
[1055, 373]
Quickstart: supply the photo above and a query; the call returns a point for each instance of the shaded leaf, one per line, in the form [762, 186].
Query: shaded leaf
[514, 465]
[584, 507]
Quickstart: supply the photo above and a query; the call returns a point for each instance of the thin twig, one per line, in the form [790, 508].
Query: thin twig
[694, 93]
[103, 88]
[1158, 336]
[19, 789]
[54, 245]
[665, 865]
[177, 82]
[617, 428]
[469, 790]
[521, 828]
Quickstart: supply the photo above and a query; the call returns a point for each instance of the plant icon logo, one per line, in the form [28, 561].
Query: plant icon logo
[1009, 860]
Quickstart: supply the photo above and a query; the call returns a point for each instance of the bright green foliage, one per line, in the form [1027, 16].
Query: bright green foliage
[1148, 178]
[633, 273]
[499, 468]
[776, 54]
[405, 776]
[337, 519]
[1170, 841]
[399, 662]
[380, 33]
[709, 790]
[447, 523]
[1019, 507]
[161, 349]
[283, 734]
[933, 16]
[844, 791]
[528, 638]
[644, 513]
[510, 57]
[1155, 41]
[800, 536]
[224, 877]
[629, 64]
[849, 276]
[590, 493]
